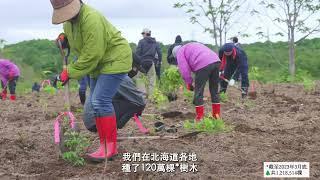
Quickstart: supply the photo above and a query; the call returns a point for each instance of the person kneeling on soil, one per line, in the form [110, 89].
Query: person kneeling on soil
[9, 75]
[36, 87]
[128, 102]
[103, 54]
[234, 61]
[197, 58]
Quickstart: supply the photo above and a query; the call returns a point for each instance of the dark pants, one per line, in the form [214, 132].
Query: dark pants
[211, 73]
[158, 70]
[233, 69]
[11, 84]
[84, 83]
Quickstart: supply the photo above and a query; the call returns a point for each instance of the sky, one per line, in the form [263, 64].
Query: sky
[21, 20]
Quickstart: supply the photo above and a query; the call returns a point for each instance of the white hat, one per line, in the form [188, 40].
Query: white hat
[175, 50]
[146, 31]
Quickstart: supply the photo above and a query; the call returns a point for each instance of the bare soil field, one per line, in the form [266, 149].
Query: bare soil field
[282, 124]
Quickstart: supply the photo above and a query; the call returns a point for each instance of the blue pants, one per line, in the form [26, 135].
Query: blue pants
[102, 90]
[84, 82]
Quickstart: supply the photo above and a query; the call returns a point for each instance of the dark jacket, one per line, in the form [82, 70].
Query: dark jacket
[148, 49]
[239, 57]
[170, 58]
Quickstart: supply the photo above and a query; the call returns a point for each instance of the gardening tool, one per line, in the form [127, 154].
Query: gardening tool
[231, 83]
[66, 86]
[58, 129]
[161, 137]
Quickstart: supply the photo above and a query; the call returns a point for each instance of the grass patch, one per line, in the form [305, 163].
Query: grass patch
[50, 90]
[208, 125]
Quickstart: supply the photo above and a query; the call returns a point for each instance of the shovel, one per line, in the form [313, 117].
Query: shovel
[66, 86]
[58, 133]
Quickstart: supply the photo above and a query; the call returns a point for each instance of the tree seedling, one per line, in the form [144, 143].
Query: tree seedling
[158, 97]
[208, 124]
[76, 144]
[50, 90]
[171, 81]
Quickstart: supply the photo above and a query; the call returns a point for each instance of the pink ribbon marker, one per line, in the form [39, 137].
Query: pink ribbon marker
[57, 125]
[45, 82]
[139, 124]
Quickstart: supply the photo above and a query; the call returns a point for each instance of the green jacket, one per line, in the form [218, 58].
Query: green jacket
[99, 46]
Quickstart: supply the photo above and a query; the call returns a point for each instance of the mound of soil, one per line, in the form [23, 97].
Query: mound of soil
[281, 124]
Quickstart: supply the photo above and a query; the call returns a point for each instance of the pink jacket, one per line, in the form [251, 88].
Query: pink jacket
[7, 69]
[193, 57]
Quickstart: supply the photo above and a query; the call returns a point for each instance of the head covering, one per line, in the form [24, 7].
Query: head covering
[235, 40]
[175, 50]
[228, 47]
[178, 40]
[146, 31]
[64, 10]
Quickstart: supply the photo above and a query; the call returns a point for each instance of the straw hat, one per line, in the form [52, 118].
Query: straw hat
[64, 10]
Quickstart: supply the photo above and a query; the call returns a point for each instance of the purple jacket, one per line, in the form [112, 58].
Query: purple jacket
[7, 67]
[193, 57]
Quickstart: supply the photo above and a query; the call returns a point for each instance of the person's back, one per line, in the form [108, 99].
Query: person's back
[7, 67]
[146, 49]
[197, 55]
[109, 48]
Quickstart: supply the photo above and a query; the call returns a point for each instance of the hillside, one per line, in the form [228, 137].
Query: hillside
[271, 59]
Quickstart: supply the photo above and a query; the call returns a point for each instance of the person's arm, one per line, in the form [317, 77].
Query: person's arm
[158, 49]
[184, 68]
[93, 49]
[223, 59]
[139, 48]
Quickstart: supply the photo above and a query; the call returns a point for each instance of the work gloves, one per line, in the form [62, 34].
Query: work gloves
[63, 77]
[64, 41]
[11, 75]
[221, 74]
[190, 87]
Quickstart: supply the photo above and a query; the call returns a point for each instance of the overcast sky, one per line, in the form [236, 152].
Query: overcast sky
[25, 20]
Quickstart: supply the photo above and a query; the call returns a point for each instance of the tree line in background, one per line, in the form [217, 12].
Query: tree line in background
[40, 59]
[218, 17]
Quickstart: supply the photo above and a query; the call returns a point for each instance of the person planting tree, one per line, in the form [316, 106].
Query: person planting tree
[103, 54]
[199, 59]
[9, 75]
[234, 61]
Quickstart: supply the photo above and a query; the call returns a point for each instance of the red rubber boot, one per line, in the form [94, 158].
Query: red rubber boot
[4, 95]
[216, 110]
[111, 137]
[107, 130]
[12, 97]
[200, 113]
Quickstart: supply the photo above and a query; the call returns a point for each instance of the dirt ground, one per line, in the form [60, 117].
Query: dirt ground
[282, 124]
